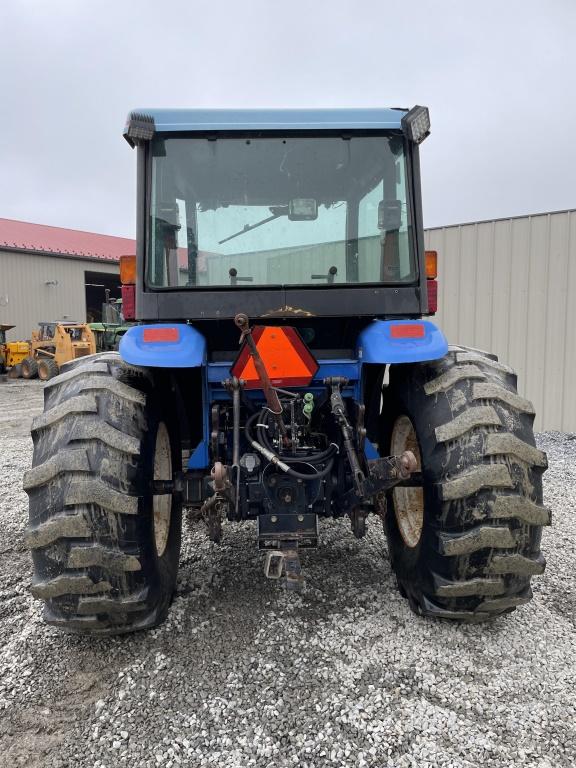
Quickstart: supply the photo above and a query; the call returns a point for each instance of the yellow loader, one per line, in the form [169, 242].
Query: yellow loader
[54, 344]
[12, 353]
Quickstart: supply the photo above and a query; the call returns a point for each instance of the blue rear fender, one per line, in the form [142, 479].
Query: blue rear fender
[163, 345]
[172, 345]
[401, 341]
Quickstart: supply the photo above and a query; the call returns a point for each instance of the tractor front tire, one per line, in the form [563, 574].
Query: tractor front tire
[464, 544]
[29, 368]
[105, 548]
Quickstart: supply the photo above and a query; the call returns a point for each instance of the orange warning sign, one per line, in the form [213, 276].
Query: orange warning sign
[287, 359]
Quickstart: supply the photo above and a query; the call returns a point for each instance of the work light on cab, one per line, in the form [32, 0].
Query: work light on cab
[416, 124]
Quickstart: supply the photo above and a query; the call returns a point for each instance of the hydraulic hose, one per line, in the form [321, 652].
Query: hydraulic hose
[280, 463]
[314, 458]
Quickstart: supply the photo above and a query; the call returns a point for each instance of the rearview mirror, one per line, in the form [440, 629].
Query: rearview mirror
[389, 215]
[302, 209]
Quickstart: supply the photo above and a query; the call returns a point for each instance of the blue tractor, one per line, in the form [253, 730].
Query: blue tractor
[282, 369]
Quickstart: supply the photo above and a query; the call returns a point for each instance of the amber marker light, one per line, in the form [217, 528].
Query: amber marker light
[128, 270]
[431, 264]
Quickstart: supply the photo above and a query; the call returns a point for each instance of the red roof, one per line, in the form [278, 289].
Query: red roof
[21, 235]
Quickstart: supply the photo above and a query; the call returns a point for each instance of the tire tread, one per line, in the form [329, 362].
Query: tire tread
[85, 491]
[484, 479]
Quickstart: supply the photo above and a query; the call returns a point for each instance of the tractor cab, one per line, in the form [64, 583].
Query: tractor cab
[311, 213]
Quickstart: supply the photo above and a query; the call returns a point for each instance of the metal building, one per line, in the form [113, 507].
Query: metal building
[508, 286]
[50, 273]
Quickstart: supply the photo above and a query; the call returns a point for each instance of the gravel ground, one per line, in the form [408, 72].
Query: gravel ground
[244, 674]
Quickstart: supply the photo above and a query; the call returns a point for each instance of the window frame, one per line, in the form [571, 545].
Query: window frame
[350, 242]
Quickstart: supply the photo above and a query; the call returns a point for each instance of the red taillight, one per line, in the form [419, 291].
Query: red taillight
[432, 296]
[407, 331]
[161, 334]
[128, 302]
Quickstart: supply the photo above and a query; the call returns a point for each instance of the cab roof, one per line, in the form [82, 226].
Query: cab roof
[169, 120]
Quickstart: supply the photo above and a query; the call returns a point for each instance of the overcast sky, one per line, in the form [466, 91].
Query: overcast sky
[498, 76]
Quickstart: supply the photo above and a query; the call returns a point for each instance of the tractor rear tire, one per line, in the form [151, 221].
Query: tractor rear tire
[15, 372]
[465, 544]
[105, 549]
[47, 369]
[29, 368]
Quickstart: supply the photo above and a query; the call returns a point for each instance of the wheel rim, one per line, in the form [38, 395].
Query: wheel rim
[162, 504]
[42, 372]
[408, 502]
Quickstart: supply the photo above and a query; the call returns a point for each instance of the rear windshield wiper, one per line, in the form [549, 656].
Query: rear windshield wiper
[280, 210]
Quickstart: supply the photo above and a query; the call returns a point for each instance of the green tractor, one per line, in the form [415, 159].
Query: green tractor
[283, 369]
[112, 327]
